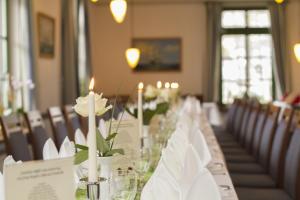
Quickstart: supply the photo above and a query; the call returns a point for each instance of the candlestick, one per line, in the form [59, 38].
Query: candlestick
[140, 108]
[92, 161]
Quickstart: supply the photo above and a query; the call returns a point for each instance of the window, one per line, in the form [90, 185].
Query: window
[246, 55]
[4, 87]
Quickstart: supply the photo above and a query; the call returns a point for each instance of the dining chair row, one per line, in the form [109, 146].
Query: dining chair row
[25, 134]
[262, 151]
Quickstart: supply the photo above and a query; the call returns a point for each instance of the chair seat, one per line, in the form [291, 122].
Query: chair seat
[240, 158]
[262, 194]
[234, 151]
[246, 168]
[253, 180]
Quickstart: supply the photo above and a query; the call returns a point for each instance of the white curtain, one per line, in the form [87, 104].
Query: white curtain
[20, 65]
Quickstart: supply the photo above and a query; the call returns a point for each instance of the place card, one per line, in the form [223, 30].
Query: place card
[40, 180]
[128, 137]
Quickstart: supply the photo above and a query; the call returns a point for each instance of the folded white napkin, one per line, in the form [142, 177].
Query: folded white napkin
[67, 149]
[49, 150]
[1, 187]
[164, 185]
[213, 113]
[80, 138]
[161, 185]
[198, 141]
[204, 187]
[9, 160]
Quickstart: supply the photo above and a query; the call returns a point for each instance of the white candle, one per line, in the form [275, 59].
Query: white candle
[92, 161]
[167, 85]
[159, 84]
[140, 108]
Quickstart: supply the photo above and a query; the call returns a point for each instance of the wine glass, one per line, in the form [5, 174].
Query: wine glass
[123, 184]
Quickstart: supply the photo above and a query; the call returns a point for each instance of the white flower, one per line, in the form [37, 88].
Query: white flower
[82, 105]
[165, 95]
[102, 128]
[151, 92]
[151, 105]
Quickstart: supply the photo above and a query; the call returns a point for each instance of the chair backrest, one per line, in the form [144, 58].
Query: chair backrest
[249, 132]
[58, 124]
[239, 118]
[72, 119]
[37, 131]
[280, 144]
[14, 137]
[230, 115]
[268, 136]
[292, 163]
[260, 125]
[245, 122]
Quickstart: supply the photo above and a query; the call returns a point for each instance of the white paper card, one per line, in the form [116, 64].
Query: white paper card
[128, 137]
[47, 180]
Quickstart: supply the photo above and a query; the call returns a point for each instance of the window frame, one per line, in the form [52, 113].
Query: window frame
[243, 31]
[7, 104]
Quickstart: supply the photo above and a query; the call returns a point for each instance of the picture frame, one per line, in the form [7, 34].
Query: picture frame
[158, 54]
[46, 35]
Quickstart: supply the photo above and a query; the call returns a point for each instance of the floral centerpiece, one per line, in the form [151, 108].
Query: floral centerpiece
[155, 103]
[104, 141]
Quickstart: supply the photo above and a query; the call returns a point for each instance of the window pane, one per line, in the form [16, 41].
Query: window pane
[3, 28]
[234, 69]
[233, 46]
[260, 45]
[260, 69]
[258, 18]
[232, 90]
[233, 19]
[262, 90]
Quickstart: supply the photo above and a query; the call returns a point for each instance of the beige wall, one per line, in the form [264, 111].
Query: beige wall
[110, 40]
[293, 36]
[48, 70]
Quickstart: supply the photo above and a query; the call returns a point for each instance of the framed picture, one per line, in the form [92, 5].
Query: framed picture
[158, 54]
[46, 30]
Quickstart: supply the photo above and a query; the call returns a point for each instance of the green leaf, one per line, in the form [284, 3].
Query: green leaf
[82, 147]
[111, 136]
[162, 108]
[102, 144]
[134, 114]
[115, 151]
[81, 156]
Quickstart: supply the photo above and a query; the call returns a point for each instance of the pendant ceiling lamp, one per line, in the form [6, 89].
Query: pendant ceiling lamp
[297, 45]
[297, 51]
[279, 1]
[118, 9]
[132, 54]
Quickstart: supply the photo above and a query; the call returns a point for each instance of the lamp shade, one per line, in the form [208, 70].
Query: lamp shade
[133, 57]
[297, 51]
[118, 9]
[279, 1]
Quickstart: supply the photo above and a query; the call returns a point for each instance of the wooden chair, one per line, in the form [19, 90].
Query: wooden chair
[15, 138]
[58, 124]
[72, 120]
[37, 131]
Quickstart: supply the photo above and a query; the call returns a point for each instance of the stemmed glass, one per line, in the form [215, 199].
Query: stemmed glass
[123, 184]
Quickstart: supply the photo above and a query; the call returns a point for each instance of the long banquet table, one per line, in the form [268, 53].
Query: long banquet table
[218, 165]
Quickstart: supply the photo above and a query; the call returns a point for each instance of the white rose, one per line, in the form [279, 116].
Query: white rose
[82, 105]
[151, 92]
